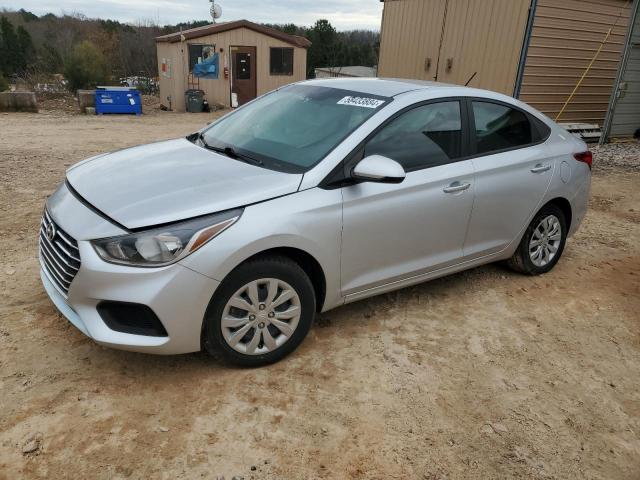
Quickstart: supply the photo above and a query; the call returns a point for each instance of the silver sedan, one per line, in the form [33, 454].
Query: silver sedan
[312, 196]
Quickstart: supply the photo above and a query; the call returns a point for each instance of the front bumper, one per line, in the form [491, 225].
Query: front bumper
[177, 295]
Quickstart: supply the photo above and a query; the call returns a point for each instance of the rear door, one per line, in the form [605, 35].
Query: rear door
[243, 76]
[512, 174]
[395, 231]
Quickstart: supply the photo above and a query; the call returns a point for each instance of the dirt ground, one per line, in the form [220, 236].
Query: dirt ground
[485, 374]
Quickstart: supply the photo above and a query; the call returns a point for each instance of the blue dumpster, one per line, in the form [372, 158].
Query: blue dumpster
[118, 100]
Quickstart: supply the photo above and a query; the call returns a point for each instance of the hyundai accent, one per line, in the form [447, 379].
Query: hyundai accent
[317, 194]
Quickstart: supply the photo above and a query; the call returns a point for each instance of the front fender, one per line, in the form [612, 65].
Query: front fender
[310, 221]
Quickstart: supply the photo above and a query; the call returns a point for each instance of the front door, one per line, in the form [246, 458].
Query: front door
[395, 231]
[243, 74]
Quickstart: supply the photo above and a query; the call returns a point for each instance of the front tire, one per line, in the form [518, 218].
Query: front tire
[542, 243]
[260, 313]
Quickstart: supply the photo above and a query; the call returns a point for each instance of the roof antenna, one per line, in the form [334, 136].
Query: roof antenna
[470, 78]
[215, 10]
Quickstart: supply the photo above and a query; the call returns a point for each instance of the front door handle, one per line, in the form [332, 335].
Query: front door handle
[456, 187]
[539, 168]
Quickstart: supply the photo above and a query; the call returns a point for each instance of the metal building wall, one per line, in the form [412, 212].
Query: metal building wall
[483, 36]
[422, 38]
[410, 38]
[566, 35]
[625, 114]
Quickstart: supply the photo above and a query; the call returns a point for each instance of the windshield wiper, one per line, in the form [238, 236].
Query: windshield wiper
[231, 153]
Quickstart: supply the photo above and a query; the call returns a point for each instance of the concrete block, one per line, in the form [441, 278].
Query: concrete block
[86, 98]
[18, 102]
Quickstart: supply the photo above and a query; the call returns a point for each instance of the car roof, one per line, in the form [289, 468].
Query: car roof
[386, 87]
[422, 89]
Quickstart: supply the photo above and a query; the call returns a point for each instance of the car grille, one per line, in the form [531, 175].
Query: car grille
[59, 253]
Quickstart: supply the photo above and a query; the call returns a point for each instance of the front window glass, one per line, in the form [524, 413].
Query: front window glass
[423, 137]
[293, 128]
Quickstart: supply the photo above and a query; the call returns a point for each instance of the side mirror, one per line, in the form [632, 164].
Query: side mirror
[376, 168]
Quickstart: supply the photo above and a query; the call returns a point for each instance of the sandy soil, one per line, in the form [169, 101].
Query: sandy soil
[485, 374]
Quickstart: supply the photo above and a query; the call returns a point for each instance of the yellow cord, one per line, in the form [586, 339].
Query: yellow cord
[584, 74]
[592, 62]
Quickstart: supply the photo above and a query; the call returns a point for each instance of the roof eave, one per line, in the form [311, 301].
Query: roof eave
[213, 29]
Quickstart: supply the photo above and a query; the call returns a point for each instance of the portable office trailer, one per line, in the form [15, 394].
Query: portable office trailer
[230, 62]
[536, 50]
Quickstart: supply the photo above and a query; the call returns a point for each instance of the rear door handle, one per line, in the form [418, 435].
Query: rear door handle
[456, 187]
[539, 168]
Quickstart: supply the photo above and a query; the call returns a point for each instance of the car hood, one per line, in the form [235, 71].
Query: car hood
[172, 180]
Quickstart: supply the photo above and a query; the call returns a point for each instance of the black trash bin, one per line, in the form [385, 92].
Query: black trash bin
[194, 100]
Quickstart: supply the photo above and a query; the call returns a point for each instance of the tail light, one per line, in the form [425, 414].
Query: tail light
[585, 157]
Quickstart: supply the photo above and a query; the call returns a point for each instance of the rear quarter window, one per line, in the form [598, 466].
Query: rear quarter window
[541, 130]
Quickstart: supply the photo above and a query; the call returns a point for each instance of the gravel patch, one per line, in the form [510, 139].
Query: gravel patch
[616, 156]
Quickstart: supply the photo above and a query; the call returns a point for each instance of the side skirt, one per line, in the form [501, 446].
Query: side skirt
[414, 280]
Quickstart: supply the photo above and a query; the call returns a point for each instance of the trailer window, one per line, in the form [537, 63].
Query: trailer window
[281, 61]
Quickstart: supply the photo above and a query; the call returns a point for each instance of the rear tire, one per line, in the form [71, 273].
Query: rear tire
[260, 313]
[542, 243]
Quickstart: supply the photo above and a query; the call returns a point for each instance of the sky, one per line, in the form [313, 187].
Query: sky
[343, 14]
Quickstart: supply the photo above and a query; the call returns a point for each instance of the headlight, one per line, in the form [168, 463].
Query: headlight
[164, 245]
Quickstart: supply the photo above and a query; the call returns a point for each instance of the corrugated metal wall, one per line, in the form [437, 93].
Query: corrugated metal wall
[483, 36]
[449, 40]
[410, 38]
[566, 35]
[625, 118]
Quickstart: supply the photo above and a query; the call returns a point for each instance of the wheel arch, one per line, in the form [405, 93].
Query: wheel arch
[564, 205]
[307, 262]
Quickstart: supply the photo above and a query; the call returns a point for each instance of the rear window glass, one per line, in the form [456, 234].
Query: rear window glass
[499, 127]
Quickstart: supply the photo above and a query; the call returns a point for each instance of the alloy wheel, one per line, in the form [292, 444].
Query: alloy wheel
[261, 316]
[545, 241]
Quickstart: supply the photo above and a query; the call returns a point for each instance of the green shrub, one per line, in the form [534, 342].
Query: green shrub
[85, 67]
[4, 84]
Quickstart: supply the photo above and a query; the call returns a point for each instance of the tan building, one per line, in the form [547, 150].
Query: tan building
[231, 62]
[535, 50]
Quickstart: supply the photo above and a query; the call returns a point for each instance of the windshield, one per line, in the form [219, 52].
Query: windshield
[293, 128]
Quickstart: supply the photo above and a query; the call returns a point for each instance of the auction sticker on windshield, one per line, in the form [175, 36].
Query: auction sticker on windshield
[361, 102]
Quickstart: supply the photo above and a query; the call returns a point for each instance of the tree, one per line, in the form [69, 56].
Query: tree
[49, 60]
[9, 48]
[25, 49]
[27, 16]
[335, 49]
[323, 50]
[85, 67]
[16, 48]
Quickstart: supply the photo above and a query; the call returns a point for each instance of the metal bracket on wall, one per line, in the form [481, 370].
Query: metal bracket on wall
[525, 48]
[618, 84]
